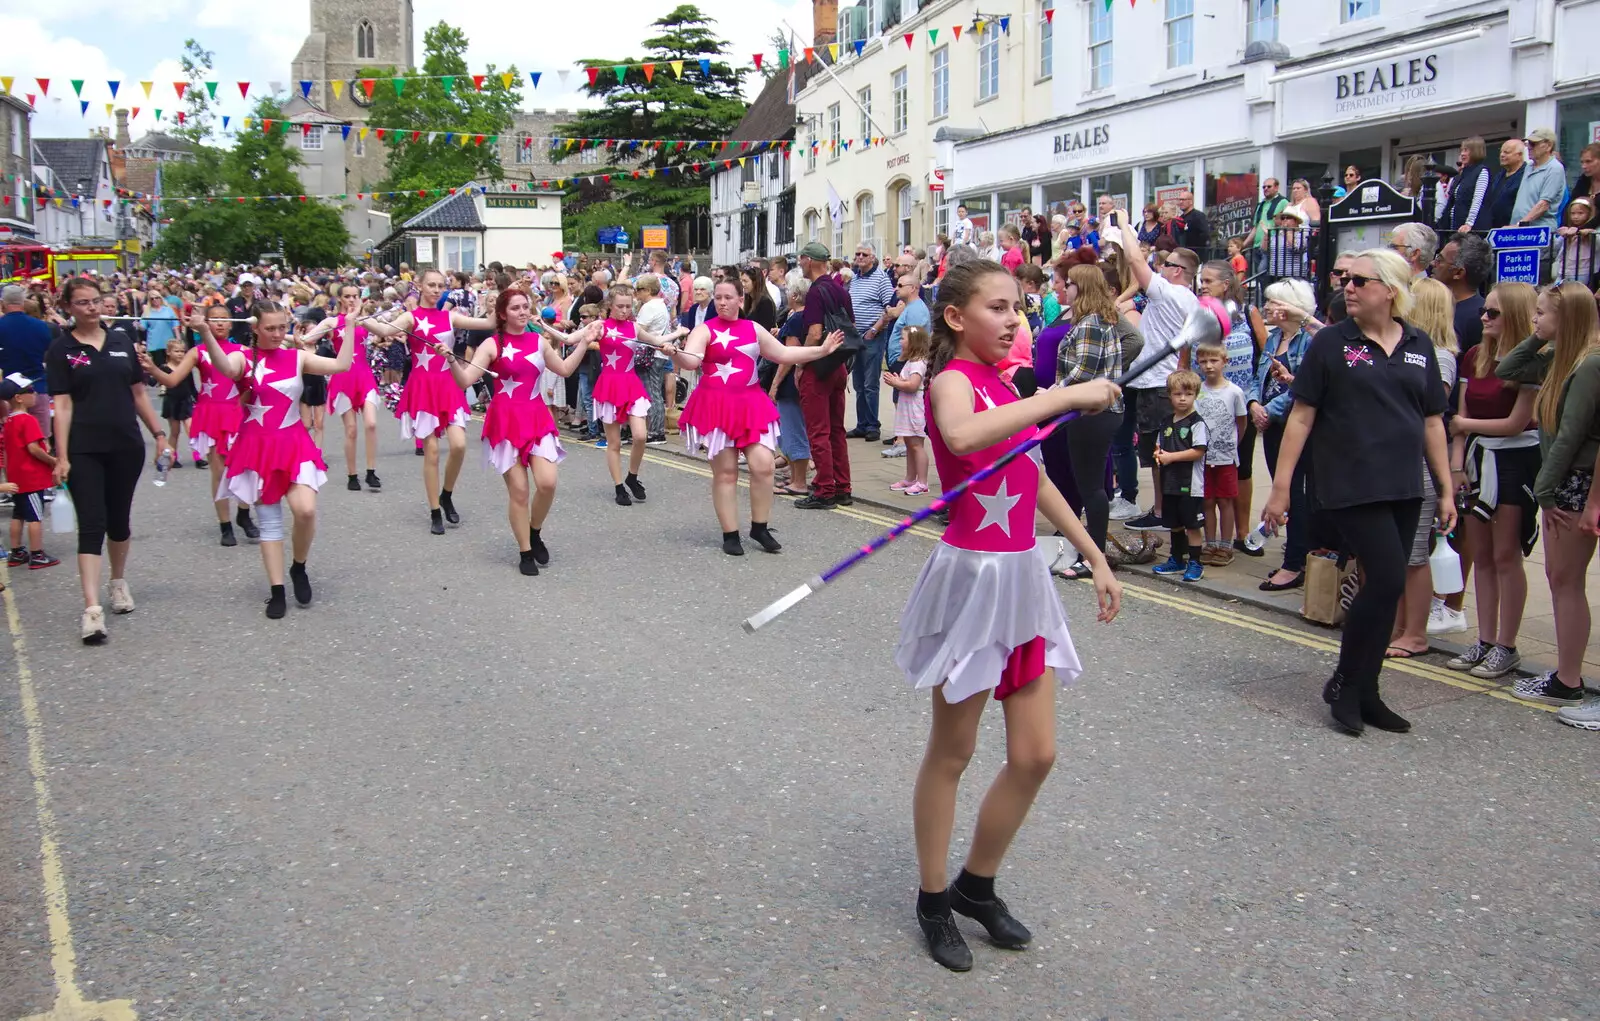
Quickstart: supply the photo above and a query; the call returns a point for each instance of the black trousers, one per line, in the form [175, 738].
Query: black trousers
[1380, 537]
[102, 488]
[1089, 443]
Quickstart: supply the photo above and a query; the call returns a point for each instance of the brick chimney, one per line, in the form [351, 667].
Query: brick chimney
[824, 22]
[123, 141]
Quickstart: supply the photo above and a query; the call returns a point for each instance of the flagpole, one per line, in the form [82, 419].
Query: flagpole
[878, 128]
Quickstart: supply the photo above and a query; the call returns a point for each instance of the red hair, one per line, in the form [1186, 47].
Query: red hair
[504, 300]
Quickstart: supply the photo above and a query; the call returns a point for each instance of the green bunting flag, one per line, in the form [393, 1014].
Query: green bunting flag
[622, 72]
[211, 89]
[399, 86]
[933, 34]
[783, 59]
[449, 83]
[77, 87]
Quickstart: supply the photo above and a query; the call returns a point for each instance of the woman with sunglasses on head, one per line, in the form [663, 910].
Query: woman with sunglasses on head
[729, 414]
[1368, 407]
[216, 412]
[431, 405]
[520, 436]
[100, 398]
[274, 458]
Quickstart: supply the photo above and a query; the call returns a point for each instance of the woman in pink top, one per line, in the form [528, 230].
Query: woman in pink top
[984, 614]
[431, 404]
[729, 413]
[354, 393]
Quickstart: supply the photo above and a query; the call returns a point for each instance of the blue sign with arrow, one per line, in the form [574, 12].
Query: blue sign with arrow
[1519, 237]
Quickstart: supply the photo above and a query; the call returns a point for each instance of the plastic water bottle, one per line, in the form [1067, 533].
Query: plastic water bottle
[1445, 566]
[163, 467]
[1259, 536]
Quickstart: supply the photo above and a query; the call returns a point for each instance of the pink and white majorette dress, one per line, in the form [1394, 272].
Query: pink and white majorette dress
[216, 407]
[273, 450]
[431, 401]
[518, 425]
[618, 392]
[354, 388]
[729, 408]
[984, 613]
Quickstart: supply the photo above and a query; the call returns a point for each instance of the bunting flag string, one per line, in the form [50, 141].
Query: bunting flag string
[517, 79]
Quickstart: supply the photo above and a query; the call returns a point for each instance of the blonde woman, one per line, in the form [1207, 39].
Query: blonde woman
[1432, 312]
[1495, 450]
[1563, 358]
[1369, 405]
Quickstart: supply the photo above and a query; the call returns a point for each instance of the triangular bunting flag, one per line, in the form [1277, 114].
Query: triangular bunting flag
[110, 108]
[957, 30]
[758, 61]
[305, 90]
[30, 98]
[1050, 15]
[449, 136]
[563, 75]
[811, 55]
[362, 133]
[135, 114]
[506, 80]
[146, 87]
[933, 36]
[113, 86]
[909, 37]
[594, 73]
[244, 90]
[833, 52]
[367, 85]
[338, 88]
[1005, 25]
[977, 24]
[180, 118]
[158, 113]
[705, 66]
[44, 86]
[493, 140]
[5, 83]
[416, 136]
[533, 78]
[344, 131]
[83, 105]
[225, 120]
[178, 87]
[477, 139]
[858, 44]
[649, 72]
[621, 71]
[77, 87]
[449, 83]
[783, 60]
[399, 87]
[211, 89]
[677, 69]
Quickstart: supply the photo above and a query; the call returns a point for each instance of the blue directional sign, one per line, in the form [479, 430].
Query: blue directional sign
[1517, 265]
[622, 239]
[608, 235]
[1520, 237]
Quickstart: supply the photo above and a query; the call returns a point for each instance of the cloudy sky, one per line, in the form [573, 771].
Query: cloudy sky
[141, 40]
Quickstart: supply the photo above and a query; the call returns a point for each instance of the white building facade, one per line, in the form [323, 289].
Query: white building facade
[875, 145]
[1215, 96]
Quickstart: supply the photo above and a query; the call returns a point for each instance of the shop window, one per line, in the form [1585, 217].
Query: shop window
[941, 82]
[978, 212]
[1180, 33]
[941, 219]
[1099, 46]
[1358, 10]
[900, 94]
[1118, 186]
[1232, 186]
[1059, 195]
[864, 102]
[1047, 38]
[989, 61]
[1012, 203]
[457, 252]
[835, 126]
[1162, 184]
[1261, 17]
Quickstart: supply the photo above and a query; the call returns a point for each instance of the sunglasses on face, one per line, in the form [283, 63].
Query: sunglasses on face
[1491, 314]
[1358, 281]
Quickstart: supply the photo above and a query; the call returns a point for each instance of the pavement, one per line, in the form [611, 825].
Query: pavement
[872, 473]
[448, 791]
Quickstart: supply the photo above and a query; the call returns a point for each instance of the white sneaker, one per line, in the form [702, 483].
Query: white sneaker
[1447, 622]
[1584, 717]
[94, 626]
[121, 597]
[898, 450]
[1122, 510]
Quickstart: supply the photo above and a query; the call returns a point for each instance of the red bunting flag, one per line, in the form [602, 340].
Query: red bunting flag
[650, 72]
[44, 87]
[178, 87]
[477, 82]
[912, 35]
[958, 33]
[367, 85]
[244, 90]
[758, 61]
[476, 140]
[1050, 15]
[181, 115]
[379, 133]
[811, 55]
[415, 135]
[594, 75]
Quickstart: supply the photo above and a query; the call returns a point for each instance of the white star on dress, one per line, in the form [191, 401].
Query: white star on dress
[997, 508]
[722, 337]
[208, 388]
[613, 359]
[725, 371]
[612, 333]
[983, 395]
[510, 387]
[291, 414]
[751, 351]
[424, 326]
[510, 352]
[257, 412]
[425, 359]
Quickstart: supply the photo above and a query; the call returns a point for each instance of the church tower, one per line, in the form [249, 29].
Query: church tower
[346, 36]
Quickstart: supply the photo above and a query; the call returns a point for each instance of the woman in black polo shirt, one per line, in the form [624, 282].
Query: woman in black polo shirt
[100, 399]
[1369, 399]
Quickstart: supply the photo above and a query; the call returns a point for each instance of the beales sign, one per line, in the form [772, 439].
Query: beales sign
[1079, 144]
[1468, 72]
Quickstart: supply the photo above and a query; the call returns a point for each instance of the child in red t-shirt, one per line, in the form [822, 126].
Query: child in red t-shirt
[29, 466]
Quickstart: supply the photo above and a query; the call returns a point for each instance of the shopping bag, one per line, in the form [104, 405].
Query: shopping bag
[63, 516]
[1331, 583]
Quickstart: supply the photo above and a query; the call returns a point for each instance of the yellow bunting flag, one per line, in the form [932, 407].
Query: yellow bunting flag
[506, 79]
[741, 161]
[677, 68]
[109, 107]
[363, 135]
[338, 90]
[833, 51]
[6, 84]
[146, 87]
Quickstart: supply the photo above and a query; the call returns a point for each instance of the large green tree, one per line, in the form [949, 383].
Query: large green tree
[700, 106]
[224, 217]
[416, 117]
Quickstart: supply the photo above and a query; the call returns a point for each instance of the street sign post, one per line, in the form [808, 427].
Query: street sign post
[1517, 265]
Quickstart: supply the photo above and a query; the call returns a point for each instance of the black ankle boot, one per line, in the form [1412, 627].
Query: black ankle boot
[527, 564]
[301, 582]
[945, 942]
[447, 505]
[1345, 702]
[277, 603]
[249, 526]
[372, 480]
[436, 522]
[354, 484]
[227, 534]
[623, 499]
[635, 487]
[989, 912]
[541, 554]
[1376, 714]
[731, 544]
[762, 535]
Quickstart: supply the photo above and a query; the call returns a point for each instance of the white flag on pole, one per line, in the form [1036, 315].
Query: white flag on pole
[835, 205]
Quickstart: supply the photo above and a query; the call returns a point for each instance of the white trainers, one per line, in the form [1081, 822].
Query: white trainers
[1122, 510]
[1584, 717]
[1444, 621]
[898, 450]
[94, 626]
[121, 597]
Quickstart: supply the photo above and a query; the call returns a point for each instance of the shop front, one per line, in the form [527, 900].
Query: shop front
[1575, 85]
[1197, 140]
[1377, 109]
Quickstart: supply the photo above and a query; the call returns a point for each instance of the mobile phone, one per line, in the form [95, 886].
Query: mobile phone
[1112, 217]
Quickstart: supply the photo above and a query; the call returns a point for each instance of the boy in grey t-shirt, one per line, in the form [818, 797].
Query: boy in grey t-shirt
[1223, 407]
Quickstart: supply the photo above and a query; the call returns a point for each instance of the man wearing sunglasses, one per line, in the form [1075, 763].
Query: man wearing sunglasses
[1544, 183]
[1463, 265]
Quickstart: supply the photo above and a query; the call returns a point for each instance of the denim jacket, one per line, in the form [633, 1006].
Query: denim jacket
[1278, 407]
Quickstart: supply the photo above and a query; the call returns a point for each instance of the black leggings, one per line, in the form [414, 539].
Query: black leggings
[1380, 536]
[102, 488]
[1089, 443]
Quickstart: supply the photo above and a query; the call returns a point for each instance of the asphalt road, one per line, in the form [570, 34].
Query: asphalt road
[447, 791]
